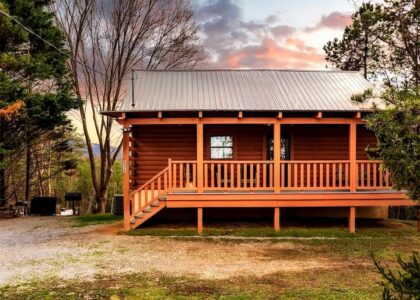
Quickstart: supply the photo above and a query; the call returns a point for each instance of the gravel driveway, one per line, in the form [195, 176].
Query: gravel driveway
[36, 248]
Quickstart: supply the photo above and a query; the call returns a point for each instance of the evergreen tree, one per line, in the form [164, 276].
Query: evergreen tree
[33, 72]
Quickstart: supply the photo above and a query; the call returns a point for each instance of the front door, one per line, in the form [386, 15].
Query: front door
[284, 148]
[284, 152]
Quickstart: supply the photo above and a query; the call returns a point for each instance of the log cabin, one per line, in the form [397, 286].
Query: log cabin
[248, 139]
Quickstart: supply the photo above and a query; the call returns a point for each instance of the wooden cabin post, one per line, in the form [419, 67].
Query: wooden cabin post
[352, 219]
[352, 156]
[126, 178]
[200, 155]
[200, 220]
[276, 145]
[277, 219]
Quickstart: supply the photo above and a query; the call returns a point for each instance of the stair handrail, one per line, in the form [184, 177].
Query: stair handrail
[149, 181]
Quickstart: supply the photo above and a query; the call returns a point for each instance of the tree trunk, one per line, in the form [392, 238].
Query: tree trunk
[28, 169]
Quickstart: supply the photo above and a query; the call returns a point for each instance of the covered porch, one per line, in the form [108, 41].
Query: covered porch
[311, 161]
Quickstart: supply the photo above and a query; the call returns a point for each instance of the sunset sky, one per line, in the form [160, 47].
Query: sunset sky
[270, 33]
[282, 34]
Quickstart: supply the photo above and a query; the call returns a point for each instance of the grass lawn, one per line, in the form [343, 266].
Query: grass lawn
[353, 276]
[94, 219]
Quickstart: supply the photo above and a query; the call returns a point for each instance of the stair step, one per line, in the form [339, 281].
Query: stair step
[155, 203]
[139, 215]
[147, 209]
[162, 198]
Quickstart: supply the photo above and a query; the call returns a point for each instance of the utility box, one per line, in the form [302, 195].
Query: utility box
[118, 208]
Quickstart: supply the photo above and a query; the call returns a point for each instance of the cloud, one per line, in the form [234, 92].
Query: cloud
[234, 42]
[335, 20]
[270, 55]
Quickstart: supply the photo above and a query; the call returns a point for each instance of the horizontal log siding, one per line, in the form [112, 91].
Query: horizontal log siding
[153, 145]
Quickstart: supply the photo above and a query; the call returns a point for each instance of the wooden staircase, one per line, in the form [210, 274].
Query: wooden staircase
[150, 198]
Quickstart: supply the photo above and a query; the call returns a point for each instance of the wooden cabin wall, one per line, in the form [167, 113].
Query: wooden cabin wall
[152, 145]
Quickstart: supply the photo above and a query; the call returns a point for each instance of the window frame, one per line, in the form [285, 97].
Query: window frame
[222, 147]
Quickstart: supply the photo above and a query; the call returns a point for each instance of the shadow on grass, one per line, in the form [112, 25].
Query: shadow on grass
[300, 229]
[94, 219]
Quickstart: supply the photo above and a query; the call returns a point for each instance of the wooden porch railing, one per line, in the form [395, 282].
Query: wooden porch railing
[150, 191]
[302, 175]
[372, 176]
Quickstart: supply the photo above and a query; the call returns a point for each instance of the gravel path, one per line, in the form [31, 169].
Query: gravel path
[36, 248]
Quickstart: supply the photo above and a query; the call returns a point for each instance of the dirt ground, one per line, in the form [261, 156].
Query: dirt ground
[37, 248]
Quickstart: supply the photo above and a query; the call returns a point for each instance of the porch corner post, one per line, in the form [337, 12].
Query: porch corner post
[276, 145]
[200, 155]
[126, 178]
[352, 156]
[277, 219]
[200, 220]
[352, 219]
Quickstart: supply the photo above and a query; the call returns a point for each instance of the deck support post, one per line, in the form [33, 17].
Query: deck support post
[277, 219]
[126, 178]
[352, 156]
[200, 220]
[276, 145]
[352, 219]
[200, 157]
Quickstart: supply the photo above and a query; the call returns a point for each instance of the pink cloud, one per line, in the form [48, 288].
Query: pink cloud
[335, 20]
[270, 55]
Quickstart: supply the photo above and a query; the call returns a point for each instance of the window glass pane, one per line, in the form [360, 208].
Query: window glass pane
[216, 153]
[227, 153]
[221, 141]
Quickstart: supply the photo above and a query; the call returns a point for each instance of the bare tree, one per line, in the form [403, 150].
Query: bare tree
[106, 40]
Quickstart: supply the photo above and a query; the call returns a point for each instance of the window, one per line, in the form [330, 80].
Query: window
[221, 147]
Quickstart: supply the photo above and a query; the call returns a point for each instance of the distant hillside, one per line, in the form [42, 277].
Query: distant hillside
[97, 152]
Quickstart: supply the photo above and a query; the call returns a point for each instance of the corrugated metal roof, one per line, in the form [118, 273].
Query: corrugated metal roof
[245, 90]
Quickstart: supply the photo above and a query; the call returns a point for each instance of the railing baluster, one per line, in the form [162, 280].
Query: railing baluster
[238, 176]
[340, 175]
[334, 175]
[158, 185]
[174, 176]
[368, 175]
[206, 175]
[362, 175]
[212, 175]
[165, 181]
[194, 176]
[225, 177]
[251, 176]
[308, 175]
[321, 175]
[245, 176]
[219, 175]
[295, 175]
[381, 176]
[181, 175]
[327, 179]
[257, 176]
[282, 175]
[387, 179]
[375, 174]
[271, 175]
[346, 174]
[315, 175]
[264, 183]
[232, 175]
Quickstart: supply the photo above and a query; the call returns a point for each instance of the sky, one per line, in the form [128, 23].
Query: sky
[270, 33]
[275, 34]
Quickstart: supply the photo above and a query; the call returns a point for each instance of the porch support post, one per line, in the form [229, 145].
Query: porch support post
[200, 220]
[200, 154]
[352, 156]
[352, 219]
[277, 219]
[276, 145]
[126, 178]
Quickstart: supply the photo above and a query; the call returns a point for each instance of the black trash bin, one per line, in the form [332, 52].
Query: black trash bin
[44, 206]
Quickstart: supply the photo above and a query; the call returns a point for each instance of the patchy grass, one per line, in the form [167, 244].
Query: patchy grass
[308, 285]
[347, 274]
[94, 219]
